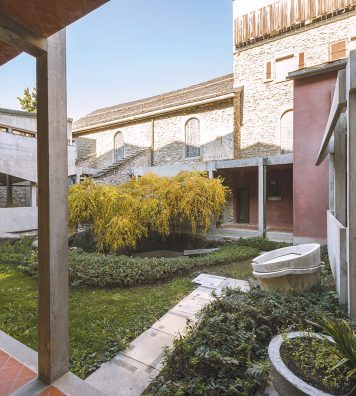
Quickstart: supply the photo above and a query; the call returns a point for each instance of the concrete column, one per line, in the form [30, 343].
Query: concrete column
[262, 197]
[351, 182]
[52, 158]
[211, 174]
[33, 195]
[9, 196]
[331, 182]
[340, 162]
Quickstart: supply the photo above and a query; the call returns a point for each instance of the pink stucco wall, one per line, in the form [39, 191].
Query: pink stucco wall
[312, 100]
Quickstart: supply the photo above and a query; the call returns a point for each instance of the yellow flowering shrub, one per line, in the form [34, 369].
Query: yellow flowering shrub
[121, 215]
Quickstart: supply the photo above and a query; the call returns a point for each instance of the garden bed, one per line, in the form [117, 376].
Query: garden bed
[311, 359]
[226, 353]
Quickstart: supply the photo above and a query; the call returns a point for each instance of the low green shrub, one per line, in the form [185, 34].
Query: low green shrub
[100, 270]
[13, 252]
[226, 352]
[262, 244]
[312, 360]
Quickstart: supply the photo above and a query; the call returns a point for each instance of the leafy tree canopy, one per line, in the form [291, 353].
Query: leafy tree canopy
[121, 215]
[29, 100]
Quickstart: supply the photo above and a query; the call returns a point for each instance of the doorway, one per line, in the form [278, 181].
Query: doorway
[243, 205]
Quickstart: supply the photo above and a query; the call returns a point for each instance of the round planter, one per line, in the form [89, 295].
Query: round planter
[284, 380]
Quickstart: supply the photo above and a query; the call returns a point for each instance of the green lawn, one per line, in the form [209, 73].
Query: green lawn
[101, 321]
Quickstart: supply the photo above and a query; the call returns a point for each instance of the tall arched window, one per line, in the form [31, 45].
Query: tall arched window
[119, 147]
[192, 138]
[287, 132]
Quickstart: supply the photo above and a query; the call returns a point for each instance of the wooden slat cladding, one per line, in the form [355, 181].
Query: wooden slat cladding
[285, 15]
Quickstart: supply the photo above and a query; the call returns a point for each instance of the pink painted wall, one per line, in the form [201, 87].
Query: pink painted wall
[278, 213]
[312, 100]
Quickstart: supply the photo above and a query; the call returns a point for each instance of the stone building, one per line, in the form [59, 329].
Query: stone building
[240, 126]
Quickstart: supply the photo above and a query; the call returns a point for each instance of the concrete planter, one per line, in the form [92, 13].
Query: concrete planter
[284, 380]
[294, 267]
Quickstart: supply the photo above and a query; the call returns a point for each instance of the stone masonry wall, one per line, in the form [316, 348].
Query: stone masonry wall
[265, 101]
[136, 136]
[21, 196]
[216, 134]
[123, 172]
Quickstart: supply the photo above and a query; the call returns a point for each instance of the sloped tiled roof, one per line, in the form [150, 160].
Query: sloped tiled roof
[203, 91]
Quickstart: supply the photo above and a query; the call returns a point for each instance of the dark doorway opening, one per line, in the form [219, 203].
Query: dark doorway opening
[243, 205]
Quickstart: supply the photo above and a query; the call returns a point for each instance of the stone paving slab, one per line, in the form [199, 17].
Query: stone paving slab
[199, 252]
[173, 323]
[190, 305]
[148, 348]
[233, 284]
[122, 376]
[207, 280]
[131, 372]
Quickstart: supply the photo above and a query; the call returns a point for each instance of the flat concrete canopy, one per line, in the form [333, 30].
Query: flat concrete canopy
[36, 20]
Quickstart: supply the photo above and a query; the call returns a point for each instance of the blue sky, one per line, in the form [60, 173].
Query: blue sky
[130, 49]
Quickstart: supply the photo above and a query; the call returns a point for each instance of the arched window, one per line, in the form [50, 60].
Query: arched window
[192, 138]
[287, 132]
[119, 147]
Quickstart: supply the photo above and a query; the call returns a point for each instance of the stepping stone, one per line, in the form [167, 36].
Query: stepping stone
[233, 284]
[122, 376]
[173, 323]
[190, 305]
[203, 292]
[208, 280]
[148, 348]
[199, 252]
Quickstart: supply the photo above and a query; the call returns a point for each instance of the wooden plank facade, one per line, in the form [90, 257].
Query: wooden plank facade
[285, 15]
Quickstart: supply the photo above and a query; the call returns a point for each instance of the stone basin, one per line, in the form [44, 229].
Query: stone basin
[293, 267]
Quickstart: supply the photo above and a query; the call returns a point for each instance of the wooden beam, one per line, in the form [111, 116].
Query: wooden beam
[337, 107]
[53, 344]
[21, 38]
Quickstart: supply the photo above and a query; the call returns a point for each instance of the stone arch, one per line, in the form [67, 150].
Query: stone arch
[119, 146]
[192, 137]
[286, 131]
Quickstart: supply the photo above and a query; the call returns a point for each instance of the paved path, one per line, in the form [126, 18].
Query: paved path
[131, 371]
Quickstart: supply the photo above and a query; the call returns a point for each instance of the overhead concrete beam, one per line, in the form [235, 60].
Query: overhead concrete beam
[21, 38]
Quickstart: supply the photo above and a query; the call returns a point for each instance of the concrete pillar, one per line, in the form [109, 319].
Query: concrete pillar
[262, 197]
[52, 158]
[211, 174]
[33, 195]
[9, 196]
[351, 182]
[340, 162]
[331, 182]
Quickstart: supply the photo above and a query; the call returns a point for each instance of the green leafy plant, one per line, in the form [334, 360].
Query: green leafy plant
[225, 353]
[120, 216]
[343, 344]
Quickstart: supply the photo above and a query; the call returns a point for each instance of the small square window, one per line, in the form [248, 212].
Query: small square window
[275, 191]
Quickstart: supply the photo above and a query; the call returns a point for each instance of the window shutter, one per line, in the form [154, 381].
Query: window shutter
[301, 60]
[338, 50]
[268, 70]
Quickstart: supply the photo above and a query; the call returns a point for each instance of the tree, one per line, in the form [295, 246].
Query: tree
[121, 215]
[29, 100]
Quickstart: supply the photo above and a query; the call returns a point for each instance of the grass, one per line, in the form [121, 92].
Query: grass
[102, 321]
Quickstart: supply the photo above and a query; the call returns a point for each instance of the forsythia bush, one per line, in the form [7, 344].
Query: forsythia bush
[122, 215]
